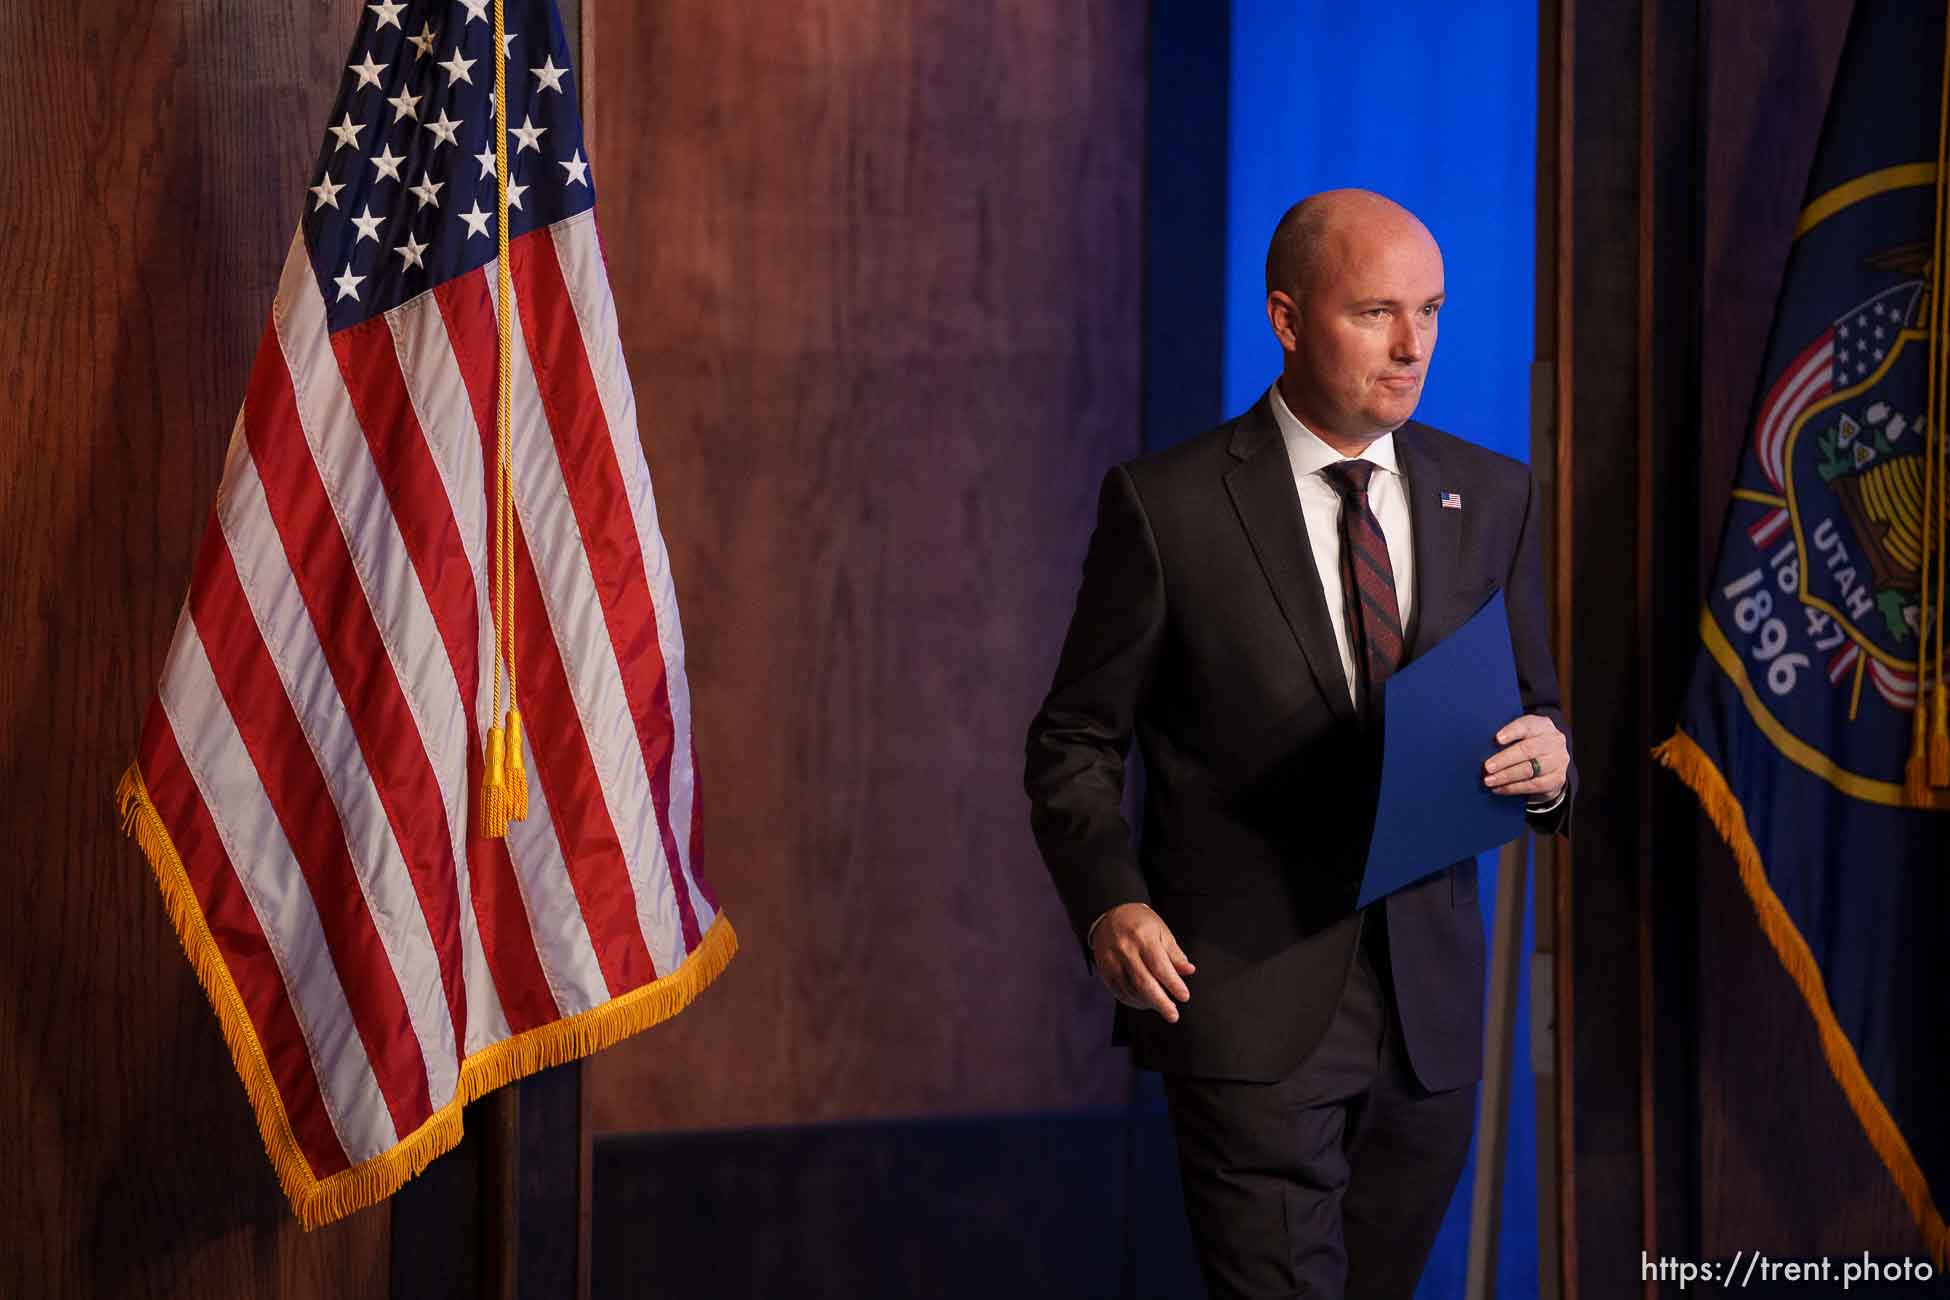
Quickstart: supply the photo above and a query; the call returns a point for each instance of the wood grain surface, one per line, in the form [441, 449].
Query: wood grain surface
[877, 266]
[153, 173]
[1597, 941]
[1693, 127]
[1784, 1165]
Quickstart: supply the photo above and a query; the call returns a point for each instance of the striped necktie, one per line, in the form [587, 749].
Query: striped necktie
[1374, 621]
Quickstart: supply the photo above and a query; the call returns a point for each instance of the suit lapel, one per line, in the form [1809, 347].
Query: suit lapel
[1262, 492]
[1437, 536]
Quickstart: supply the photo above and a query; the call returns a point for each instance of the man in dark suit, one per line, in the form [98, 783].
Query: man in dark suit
[1244, 597]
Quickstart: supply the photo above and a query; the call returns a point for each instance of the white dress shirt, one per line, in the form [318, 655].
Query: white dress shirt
[1320, 509]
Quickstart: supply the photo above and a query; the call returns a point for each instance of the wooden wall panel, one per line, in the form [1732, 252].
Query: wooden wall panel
[1784, 1166]
[155, 164]
[1596, 950]
[877, 269]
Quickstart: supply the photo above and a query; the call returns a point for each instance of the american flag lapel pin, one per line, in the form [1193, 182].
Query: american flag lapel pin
[1452, 500]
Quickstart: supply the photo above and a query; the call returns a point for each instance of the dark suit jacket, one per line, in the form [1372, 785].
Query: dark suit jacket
[1200, 627]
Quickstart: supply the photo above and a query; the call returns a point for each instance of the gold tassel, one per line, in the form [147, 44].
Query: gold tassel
[517, 771]
[1940, 737]
[494, 788]
[1916, 772]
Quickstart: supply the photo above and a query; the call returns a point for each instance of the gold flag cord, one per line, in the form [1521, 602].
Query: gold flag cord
[1929, 745]
[1928, 608]
[504, 787]
[1936, 438]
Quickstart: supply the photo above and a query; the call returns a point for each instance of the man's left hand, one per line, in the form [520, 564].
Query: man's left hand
[1534, 763]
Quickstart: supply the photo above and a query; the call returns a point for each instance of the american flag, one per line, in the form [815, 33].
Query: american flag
[1845, 353]
[304, 780]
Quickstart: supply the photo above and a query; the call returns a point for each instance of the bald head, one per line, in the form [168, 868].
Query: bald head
[1318, 229]
[1353, 285]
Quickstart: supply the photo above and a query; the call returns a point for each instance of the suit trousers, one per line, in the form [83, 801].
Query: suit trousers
[1333, 1181]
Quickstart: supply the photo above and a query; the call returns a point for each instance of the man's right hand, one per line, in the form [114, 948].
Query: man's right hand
[1139, 961]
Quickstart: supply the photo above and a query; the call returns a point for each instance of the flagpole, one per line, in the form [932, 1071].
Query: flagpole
[523, 1166]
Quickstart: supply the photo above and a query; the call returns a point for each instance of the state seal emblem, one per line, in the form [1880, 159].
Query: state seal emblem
[1832, 501]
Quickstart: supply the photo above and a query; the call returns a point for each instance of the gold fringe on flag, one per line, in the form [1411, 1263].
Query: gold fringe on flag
[1683, 756]
[315, 1201]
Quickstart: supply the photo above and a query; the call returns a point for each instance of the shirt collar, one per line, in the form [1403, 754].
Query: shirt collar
[1309, 455]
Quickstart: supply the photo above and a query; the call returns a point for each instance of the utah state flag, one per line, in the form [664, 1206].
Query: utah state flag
[1820, 671]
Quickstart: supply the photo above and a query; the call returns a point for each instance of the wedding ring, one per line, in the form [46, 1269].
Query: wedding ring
[1535, 769]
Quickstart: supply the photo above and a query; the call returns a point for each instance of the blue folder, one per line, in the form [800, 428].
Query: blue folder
[1443, 711]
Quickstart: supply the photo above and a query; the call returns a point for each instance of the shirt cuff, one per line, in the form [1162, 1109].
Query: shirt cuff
[1557, 799]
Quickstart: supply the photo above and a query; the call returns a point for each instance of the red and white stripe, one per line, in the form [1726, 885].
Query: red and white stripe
[1804, 381]
[316, 745]
[1842, 662]
[1767, 529]
[1896, 687]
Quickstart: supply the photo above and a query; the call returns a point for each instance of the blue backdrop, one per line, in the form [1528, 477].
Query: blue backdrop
[1434, 105]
